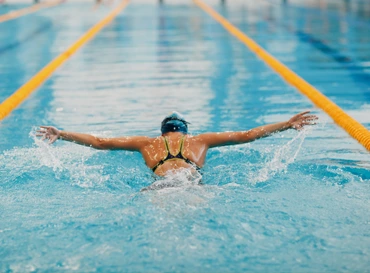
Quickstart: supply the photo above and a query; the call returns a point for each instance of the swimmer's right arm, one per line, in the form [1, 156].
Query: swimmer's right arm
[134, 143]
[296, 122]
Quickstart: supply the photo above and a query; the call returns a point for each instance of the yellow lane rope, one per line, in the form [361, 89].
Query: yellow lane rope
[18, 13]
[23, 92]
[353, 127]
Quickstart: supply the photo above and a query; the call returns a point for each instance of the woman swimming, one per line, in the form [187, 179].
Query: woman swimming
[175, 149]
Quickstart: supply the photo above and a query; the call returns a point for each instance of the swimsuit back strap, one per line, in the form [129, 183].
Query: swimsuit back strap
[179, 154]
[166, 144]
[171, 156]
[162, 160]
[182, 147]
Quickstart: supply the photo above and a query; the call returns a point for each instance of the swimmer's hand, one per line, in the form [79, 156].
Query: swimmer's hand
[300, 120]
[48, 132]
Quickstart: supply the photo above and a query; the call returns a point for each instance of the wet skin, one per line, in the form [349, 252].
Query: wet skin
[195, 148]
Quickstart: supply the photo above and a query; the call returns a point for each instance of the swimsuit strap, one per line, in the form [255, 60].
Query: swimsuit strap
[162, 160]
[166, 144]
[179, 154]
[182, 145]
[171, 156]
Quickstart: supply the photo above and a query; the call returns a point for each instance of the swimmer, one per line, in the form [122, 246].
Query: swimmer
[175, 149]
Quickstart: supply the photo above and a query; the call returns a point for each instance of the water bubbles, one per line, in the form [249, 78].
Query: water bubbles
[179, 178]
[60, 161]
[281, 157]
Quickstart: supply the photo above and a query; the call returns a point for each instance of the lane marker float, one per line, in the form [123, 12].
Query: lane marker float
[18, 13]
[24, 91]
[350, 125]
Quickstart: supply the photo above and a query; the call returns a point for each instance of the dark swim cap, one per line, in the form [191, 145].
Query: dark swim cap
[174, 122]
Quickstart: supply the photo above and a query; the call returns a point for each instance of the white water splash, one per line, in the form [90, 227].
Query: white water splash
[44, 152]
[60, 159]
[283, 156]
[179, 193]
[179, 178]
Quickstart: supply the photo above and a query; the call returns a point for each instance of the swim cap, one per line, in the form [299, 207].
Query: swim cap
[174, 122]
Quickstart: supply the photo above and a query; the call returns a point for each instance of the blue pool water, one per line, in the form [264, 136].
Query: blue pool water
[7, 7]
[294, 202]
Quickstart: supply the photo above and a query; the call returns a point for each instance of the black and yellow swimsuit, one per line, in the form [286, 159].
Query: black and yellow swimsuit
[178, 156]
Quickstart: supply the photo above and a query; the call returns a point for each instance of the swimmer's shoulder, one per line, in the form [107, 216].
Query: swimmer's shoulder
[198, 138]
[195, 139]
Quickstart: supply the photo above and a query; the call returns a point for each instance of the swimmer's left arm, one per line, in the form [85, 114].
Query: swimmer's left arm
[231, 138]
[133, 143]
[129, 143]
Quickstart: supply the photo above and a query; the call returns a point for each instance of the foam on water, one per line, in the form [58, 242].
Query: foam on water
[178, 178]
[293, 202]
[88, 212]
[57, 160]
[281, 157]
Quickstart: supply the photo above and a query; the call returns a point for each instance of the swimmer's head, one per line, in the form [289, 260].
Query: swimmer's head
[174, 122]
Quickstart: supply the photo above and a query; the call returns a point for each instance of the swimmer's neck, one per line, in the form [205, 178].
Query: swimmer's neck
[168, 134]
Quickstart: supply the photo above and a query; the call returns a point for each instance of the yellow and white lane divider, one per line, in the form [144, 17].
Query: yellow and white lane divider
[18, 13]
[23, 92]
[353, 127]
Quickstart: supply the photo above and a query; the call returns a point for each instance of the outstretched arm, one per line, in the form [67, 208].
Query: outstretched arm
[231, 138]
[134, 143]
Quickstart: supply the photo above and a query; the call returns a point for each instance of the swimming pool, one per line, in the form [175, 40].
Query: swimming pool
[294, 202]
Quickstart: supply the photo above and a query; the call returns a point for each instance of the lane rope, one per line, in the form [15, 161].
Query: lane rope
[24, 91]
[350, 125]
[21, 12]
